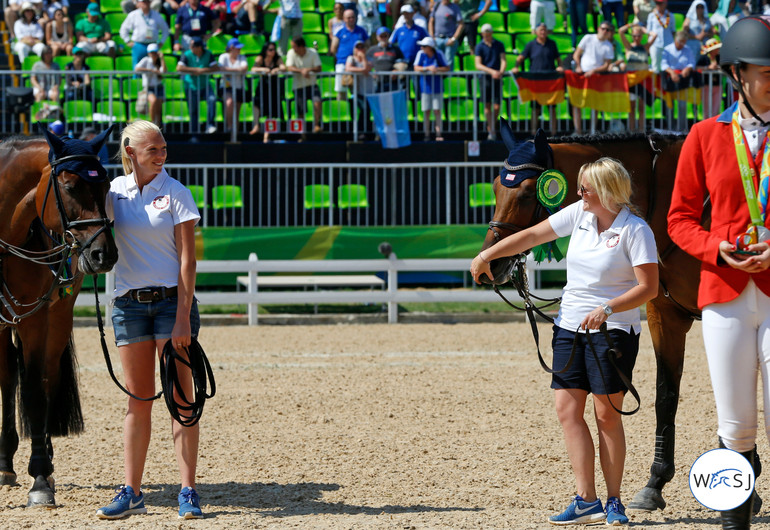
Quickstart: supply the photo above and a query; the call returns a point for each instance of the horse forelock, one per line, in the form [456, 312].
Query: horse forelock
[612, 137]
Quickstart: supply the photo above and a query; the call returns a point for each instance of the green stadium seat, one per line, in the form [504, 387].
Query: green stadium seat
[38, 105]
[326, 6]
[124, 63]
[510, 88]
[219, 116]
[312, 22]
[110, 6]
[333, 111]
[251, 43]
[131, 88]
[226, 196]
[132, 114]
[269, 20]
[326, 85]
[171, 63]
[507, 41]
[563, 43]
[469, 62]
[100, 62]
[559, 24]
[246, 114]
[115, 20]
[102, 86]
[318, 40]
[167, 47]
[217, 44]
[352, 196]
[62, 60]
[199, 195]
[481, 194]
[518, 22]
[522, 38]
[29, 61]
[117, 113]
[175, 111]
[78, 111]
[317, 196]
[497, 20]
[460, 110]
[327, 63]
[307, 5]
[456, 87]
[174, 88]
[678, 20]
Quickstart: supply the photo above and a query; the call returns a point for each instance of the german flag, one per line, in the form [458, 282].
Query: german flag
[686, 89]
[547, 88]
[605, 92]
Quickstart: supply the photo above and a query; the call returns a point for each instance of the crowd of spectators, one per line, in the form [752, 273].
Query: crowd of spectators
[368, 56]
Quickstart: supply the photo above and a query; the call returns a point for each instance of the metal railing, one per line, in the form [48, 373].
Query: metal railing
[112, 98]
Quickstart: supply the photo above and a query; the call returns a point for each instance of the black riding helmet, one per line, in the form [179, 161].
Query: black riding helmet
[748, 42]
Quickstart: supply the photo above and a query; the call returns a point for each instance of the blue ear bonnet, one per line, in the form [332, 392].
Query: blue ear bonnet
[525, 161]
[88, 170]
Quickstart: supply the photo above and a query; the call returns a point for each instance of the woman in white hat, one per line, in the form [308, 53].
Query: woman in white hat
[152, 66]
[430, 60]
[28, 33]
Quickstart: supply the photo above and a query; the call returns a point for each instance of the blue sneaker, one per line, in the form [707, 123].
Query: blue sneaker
[579, 512]
[124, 504]
[616, 512]
[189, 504]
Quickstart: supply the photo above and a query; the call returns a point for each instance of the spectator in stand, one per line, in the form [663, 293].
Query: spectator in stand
[304, 63]
[232, 91]
[593, 55]
[359, 66]
[93, 33]
[430, 60]
[543, 11]
[368, 16]
[642, 10]
[245, 15]
[578, 11]
[77, 81]
[152, 67]
[269, 93]
[543, 56]
[678, 66]
[198, 64]
[490, 58]
[342, 47]
[59, 34]
[49, 9]
[13, 13]
[446, 28]
[727, 13]
[613, 7]
[336, 22]
[57, 127]
[699, 27]
[193, 20]
[637, 58]
[384, 57]
[712, 91]
[143, 27]
[661, 23]
[471, 14]
[407, 36]
[291, 24]
[130, 5]
[45, 86]
[417, 18]
[28, 33]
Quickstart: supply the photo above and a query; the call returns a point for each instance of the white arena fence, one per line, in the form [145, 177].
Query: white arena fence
[392, 295]
[112, 99]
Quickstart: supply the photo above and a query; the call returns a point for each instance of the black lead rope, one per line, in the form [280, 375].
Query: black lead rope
[612, 355]
[187, 412]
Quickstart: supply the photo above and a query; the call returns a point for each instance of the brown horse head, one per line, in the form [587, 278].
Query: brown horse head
[516, 202]
[70, 200]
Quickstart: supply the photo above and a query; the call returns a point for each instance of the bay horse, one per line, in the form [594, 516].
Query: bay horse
[52, 195]
[651, 161]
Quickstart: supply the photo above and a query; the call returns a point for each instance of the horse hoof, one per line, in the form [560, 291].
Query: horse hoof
[8, 478]
[41, 495]
[757, 503]
[647, 500]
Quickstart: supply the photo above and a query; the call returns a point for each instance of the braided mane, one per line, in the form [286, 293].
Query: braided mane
[609, 138]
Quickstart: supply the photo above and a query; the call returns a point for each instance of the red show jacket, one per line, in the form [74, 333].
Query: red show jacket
[708, 165]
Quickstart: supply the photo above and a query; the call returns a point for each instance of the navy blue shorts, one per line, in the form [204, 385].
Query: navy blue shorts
[134, 321]
[584, 373]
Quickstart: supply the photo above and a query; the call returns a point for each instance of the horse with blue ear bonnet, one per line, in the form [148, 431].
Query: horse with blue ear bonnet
[52, 195]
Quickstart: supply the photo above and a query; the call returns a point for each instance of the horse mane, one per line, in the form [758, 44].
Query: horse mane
[19, 142]
[611, 137]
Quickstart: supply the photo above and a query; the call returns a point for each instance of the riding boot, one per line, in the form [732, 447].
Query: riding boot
[739, 518]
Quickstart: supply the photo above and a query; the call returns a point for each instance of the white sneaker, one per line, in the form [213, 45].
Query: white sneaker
[211, 129]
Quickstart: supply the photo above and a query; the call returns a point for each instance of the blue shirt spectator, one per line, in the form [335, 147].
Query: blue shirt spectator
[543, 57]
[193, 20]
[490, 53]
[431, 84]
[407, 37]
[678, 56]
[347, 39]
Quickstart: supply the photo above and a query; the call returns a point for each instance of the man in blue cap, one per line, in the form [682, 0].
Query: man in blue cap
[198, 64]
[57, 128]
[94, 33]
[385, 56]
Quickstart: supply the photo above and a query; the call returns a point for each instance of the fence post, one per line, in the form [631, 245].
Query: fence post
[252, 289]
[109, 288]
[392, 289]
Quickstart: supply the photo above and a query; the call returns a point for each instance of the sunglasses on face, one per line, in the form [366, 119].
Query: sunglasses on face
[584, 191]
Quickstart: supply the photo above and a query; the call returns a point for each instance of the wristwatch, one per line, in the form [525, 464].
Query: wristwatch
[607, 309]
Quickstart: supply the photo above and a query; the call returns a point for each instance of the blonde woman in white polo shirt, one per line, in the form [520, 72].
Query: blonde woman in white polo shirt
[611, 271]
[155, 216]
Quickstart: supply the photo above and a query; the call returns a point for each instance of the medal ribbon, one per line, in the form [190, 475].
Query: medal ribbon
[757, 203]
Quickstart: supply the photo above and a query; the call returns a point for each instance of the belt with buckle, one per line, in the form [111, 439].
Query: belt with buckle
[148, 295]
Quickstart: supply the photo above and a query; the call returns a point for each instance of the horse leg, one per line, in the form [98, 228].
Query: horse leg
[9, 380]
[668, 328]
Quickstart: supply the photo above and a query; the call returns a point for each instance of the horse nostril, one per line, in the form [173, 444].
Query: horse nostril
[97, 255]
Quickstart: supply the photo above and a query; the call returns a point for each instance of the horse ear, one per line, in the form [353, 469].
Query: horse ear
[541, 141]
[99, 140]
[56, 143]
[507, 134]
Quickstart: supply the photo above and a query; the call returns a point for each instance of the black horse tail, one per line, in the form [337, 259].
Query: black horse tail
[65, 415]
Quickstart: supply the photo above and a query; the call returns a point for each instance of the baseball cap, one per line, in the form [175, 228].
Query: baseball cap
[196, 41]
[382, 30]
[27, 5]
[486, 28]
[234, 43]
[152, 47]
[407, 9]
[358, 42]
[57, 128]
[427, 41]
[77, 49]
[93, 9]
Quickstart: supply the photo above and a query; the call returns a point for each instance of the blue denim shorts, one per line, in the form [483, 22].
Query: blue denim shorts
[137, 322]
[584, 373]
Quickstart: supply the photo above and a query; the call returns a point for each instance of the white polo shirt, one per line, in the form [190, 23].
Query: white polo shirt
[144, 230]
[600, 266]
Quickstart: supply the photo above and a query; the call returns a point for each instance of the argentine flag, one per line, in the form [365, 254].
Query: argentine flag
[389, 109]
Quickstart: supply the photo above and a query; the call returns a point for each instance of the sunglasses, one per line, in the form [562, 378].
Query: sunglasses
[584, 191]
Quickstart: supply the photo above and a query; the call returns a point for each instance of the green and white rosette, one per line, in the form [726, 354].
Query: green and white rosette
[551, 192]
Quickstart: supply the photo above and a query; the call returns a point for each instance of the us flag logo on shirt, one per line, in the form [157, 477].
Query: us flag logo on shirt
[161, 202]
[613, 241]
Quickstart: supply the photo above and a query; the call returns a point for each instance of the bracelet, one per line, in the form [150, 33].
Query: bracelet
[482, 259]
